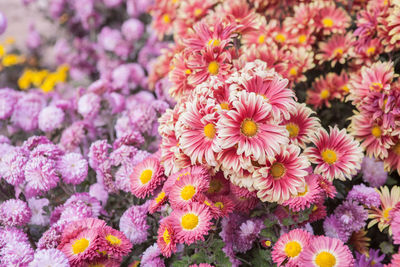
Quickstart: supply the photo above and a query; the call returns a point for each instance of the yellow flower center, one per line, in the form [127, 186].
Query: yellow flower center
[190, 221]
[160, 197]
[209, 131]
[214, 42]
[224, 105]
[324, 94]
[280, 38]
[219, 205]
[292, 249]
[376, 131]
[329, 156]
[325, 259]
[293, 129]
[261, 39]
[338, 52]
[277, 170]
[328, 22]
[293, 71]
[396, 149]
[213, 68]
[113, 240]
[267, 243]
[302, 39]
[314, 208]
[198, 11]
[166, 18]
[80, 245]
[145, 176]
[215, 186]
[373, 262]
[345, 88]
[370, 51]
[301, 194]
[376, 86]
[166, 237]
[249, 128]
[386, 213]
[188, 192]
[188, 71]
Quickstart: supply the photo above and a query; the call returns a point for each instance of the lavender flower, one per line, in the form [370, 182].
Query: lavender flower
[335, 229]
[8, 97]
[50, 118]
[89, 105]
[98, 153]
[372, 259]
[373, 172]
[351, 215]
[40, 174]
[12, 166]
[90, 201]
[73, 168]
[98, 191]
[249, 232]
[26, 111]
[14, 212]
[151, 257]
[3, 23]
[39, 216]
[76, 211]
[132, 29]
[133, 223]
[33, 41]
[73, 136]
[52, 237]
[49, 257]
[16, 254]
[364, 195]
[10, 234]
[109, 39]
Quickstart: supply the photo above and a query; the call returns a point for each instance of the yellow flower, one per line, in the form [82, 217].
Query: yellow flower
[24, 82]
[49, 83]
[2, 51]
[38, 77]
[11, 60]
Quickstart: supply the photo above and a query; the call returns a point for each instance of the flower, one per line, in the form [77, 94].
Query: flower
[351, 215]
[283, 175]
[337, 49]
[326, 251]
[12, 166]
[373, 172]
[166, 239]
[191, 224]
[14, 212]
[89, 105]
[290, 246]
[371, 259]
[133, 224]
[380, 215]
[250, 126]
[50, 118]
[114, 243]
[364, 195]
[146, 176]
[16, 253]
[40, 174]
[151, 257]
[335, 229]
[38, 214]
[73, 168]
[48, 257]
[337, 154]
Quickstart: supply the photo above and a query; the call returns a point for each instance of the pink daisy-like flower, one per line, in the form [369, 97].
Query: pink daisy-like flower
[224, 205]
[331, 19]
[114, 243]
[338, 48]
[336, 154]
[219, 185]
[146, 177]
[199, 135]
[375, 78]
[14, 212]
[301, 124]
[191, 224]
[40, 174]
[274, 90]
[198, 172]
[290, 246]
[283, 175]
[251, 126]
[318, 211]
[157, 202]
[326, 251]
[73, 168]
[186, 189]
[303, 200]
[166, 239]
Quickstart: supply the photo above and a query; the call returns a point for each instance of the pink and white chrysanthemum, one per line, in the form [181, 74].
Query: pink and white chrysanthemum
[374, 138]
[157, 202]
[336, 154]
[318, 211]
[250, 126]
[283, 175]
[331, 19]
[290, 246]
[197, 172]
[114, 243]
[166, 239]
[374, 78]
[392, 162]
[323, 92]
[326, 251]
[198, 139]
[146, 177]
[224, 205]
[303, 200]
[185, 190]
[301, 125]
[81, 248]
[191, 224]
[338, 48]
[274, 90]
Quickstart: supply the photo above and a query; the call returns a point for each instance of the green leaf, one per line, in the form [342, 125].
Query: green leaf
[269, 223]
[287, 221]
[261, 257]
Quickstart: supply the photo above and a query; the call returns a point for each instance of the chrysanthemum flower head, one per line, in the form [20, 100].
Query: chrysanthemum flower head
[336, 154]
[134, 225]
[191, 224]
[40, 174]
[284, 177]
[331, 19]
[326, 252]
[198, 172]
[337, 49]
[73, 168]
[166, 237]
[114, 243]
[14, 212]
[218, 185]
[146, 177]
[290, 246]
[49, 257]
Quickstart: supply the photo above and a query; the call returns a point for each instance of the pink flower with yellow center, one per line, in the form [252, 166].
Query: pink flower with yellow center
[283, 175]
[146, 177]
[380, 216]
[250, 126]
[166, 239]
[157, 202]
[191, 224]
[114, 243]
[337, 154]
[324, 251]
[289, 247]
[392, 162]
[331, 19]
[337, 49]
